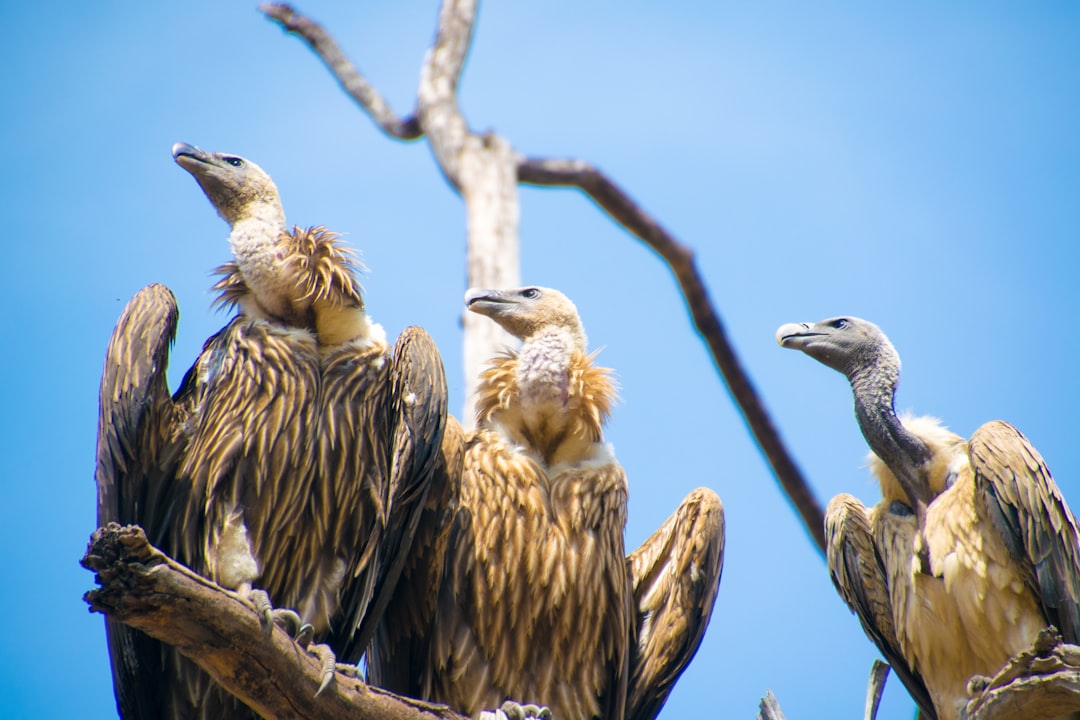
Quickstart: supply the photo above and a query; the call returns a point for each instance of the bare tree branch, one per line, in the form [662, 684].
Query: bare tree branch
[144, 588]
[481, 168]
[613, 200]
[1041, 682]
[485, 171]
[356, 85]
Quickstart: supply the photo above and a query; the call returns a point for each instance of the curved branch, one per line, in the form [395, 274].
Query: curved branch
[144, 588]
[356, 85]
[622, 209]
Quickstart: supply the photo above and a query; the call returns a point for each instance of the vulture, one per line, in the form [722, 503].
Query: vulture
[972, 550]
[531, 597]
[294, 462]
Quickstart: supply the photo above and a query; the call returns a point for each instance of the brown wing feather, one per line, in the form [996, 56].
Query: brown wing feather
[252, 448]
[535, 606]
[1028, 510]
[858, 572]
[401, 645]
[676, 574]
[413, 427]
[137, 451]
[352, 479]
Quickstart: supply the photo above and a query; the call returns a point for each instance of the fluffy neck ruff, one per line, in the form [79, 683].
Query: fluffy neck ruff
[310, 283]
[548, 398]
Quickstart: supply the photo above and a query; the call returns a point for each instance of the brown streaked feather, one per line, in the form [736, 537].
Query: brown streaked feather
[349, 495]
[414, 422]
[319, 269]
[1026, 507]
[252, 446]
[231, 288]
[859, 575]
[534, 557]
[138, 447]
[323, 268]
[676, 575]
[401, 644]
[592, 394]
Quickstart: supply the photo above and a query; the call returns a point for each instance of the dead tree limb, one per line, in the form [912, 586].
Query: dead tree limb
[480, 167]
[486, 171]
[142, 587]
[769, 708]
[1041, 682]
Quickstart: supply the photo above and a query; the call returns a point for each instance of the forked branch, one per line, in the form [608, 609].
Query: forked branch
[441, 119]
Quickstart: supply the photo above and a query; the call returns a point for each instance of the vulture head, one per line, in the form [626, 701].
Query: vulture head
[846, 344]
[237, 187]
[859, 349]
[528, 311]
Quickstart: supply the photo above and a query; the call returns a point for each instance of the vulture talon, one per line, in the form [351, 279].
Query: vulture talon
[328, 661]
[512, 710]
[261, 600]
[304, 635]
[289, 621]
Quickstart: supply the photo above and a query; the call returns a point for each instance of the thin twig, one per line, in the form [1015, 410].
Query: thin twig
[879, 673]
[613, 200]
[355, 84]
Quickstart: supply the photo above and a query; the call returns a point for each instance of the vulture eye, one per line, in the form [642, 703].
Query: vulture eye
[530, 293]
[839, 324]
[234, 161]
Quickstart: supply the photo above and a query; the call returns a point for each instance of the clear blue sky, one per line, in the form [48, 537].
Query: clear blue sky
[918, 166]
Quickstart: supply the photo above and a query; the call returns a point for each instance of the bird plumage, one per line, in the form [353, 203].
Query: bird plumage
[534, 600]
[300, 445]
[992, 559]
[676, 575]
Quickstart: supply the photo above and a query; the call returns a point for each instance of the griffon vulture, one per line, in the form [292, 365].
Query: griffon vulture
[537, 602]
[296, 457]
[972, 549]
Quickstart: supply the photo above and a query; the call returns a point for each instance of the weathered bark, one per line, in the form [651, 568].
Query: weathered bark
[142, 587]
[1041, 682]
[485, 170]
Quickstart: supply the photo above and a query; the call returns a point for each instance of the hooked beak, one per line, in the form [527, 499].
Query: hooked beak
[795, 335]
[485, 301]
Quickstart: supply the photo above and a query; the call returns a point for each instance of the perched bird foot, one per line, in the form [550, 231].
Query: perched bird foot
[263, 607]
[328, 662]
[978, 683]
[269, 616]
[511, 710]
[287, 620]
[330, 666]
[304, 635]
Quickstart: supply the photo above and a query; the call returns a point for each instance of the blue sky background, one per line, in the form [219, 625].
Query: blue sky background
[916, 165]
